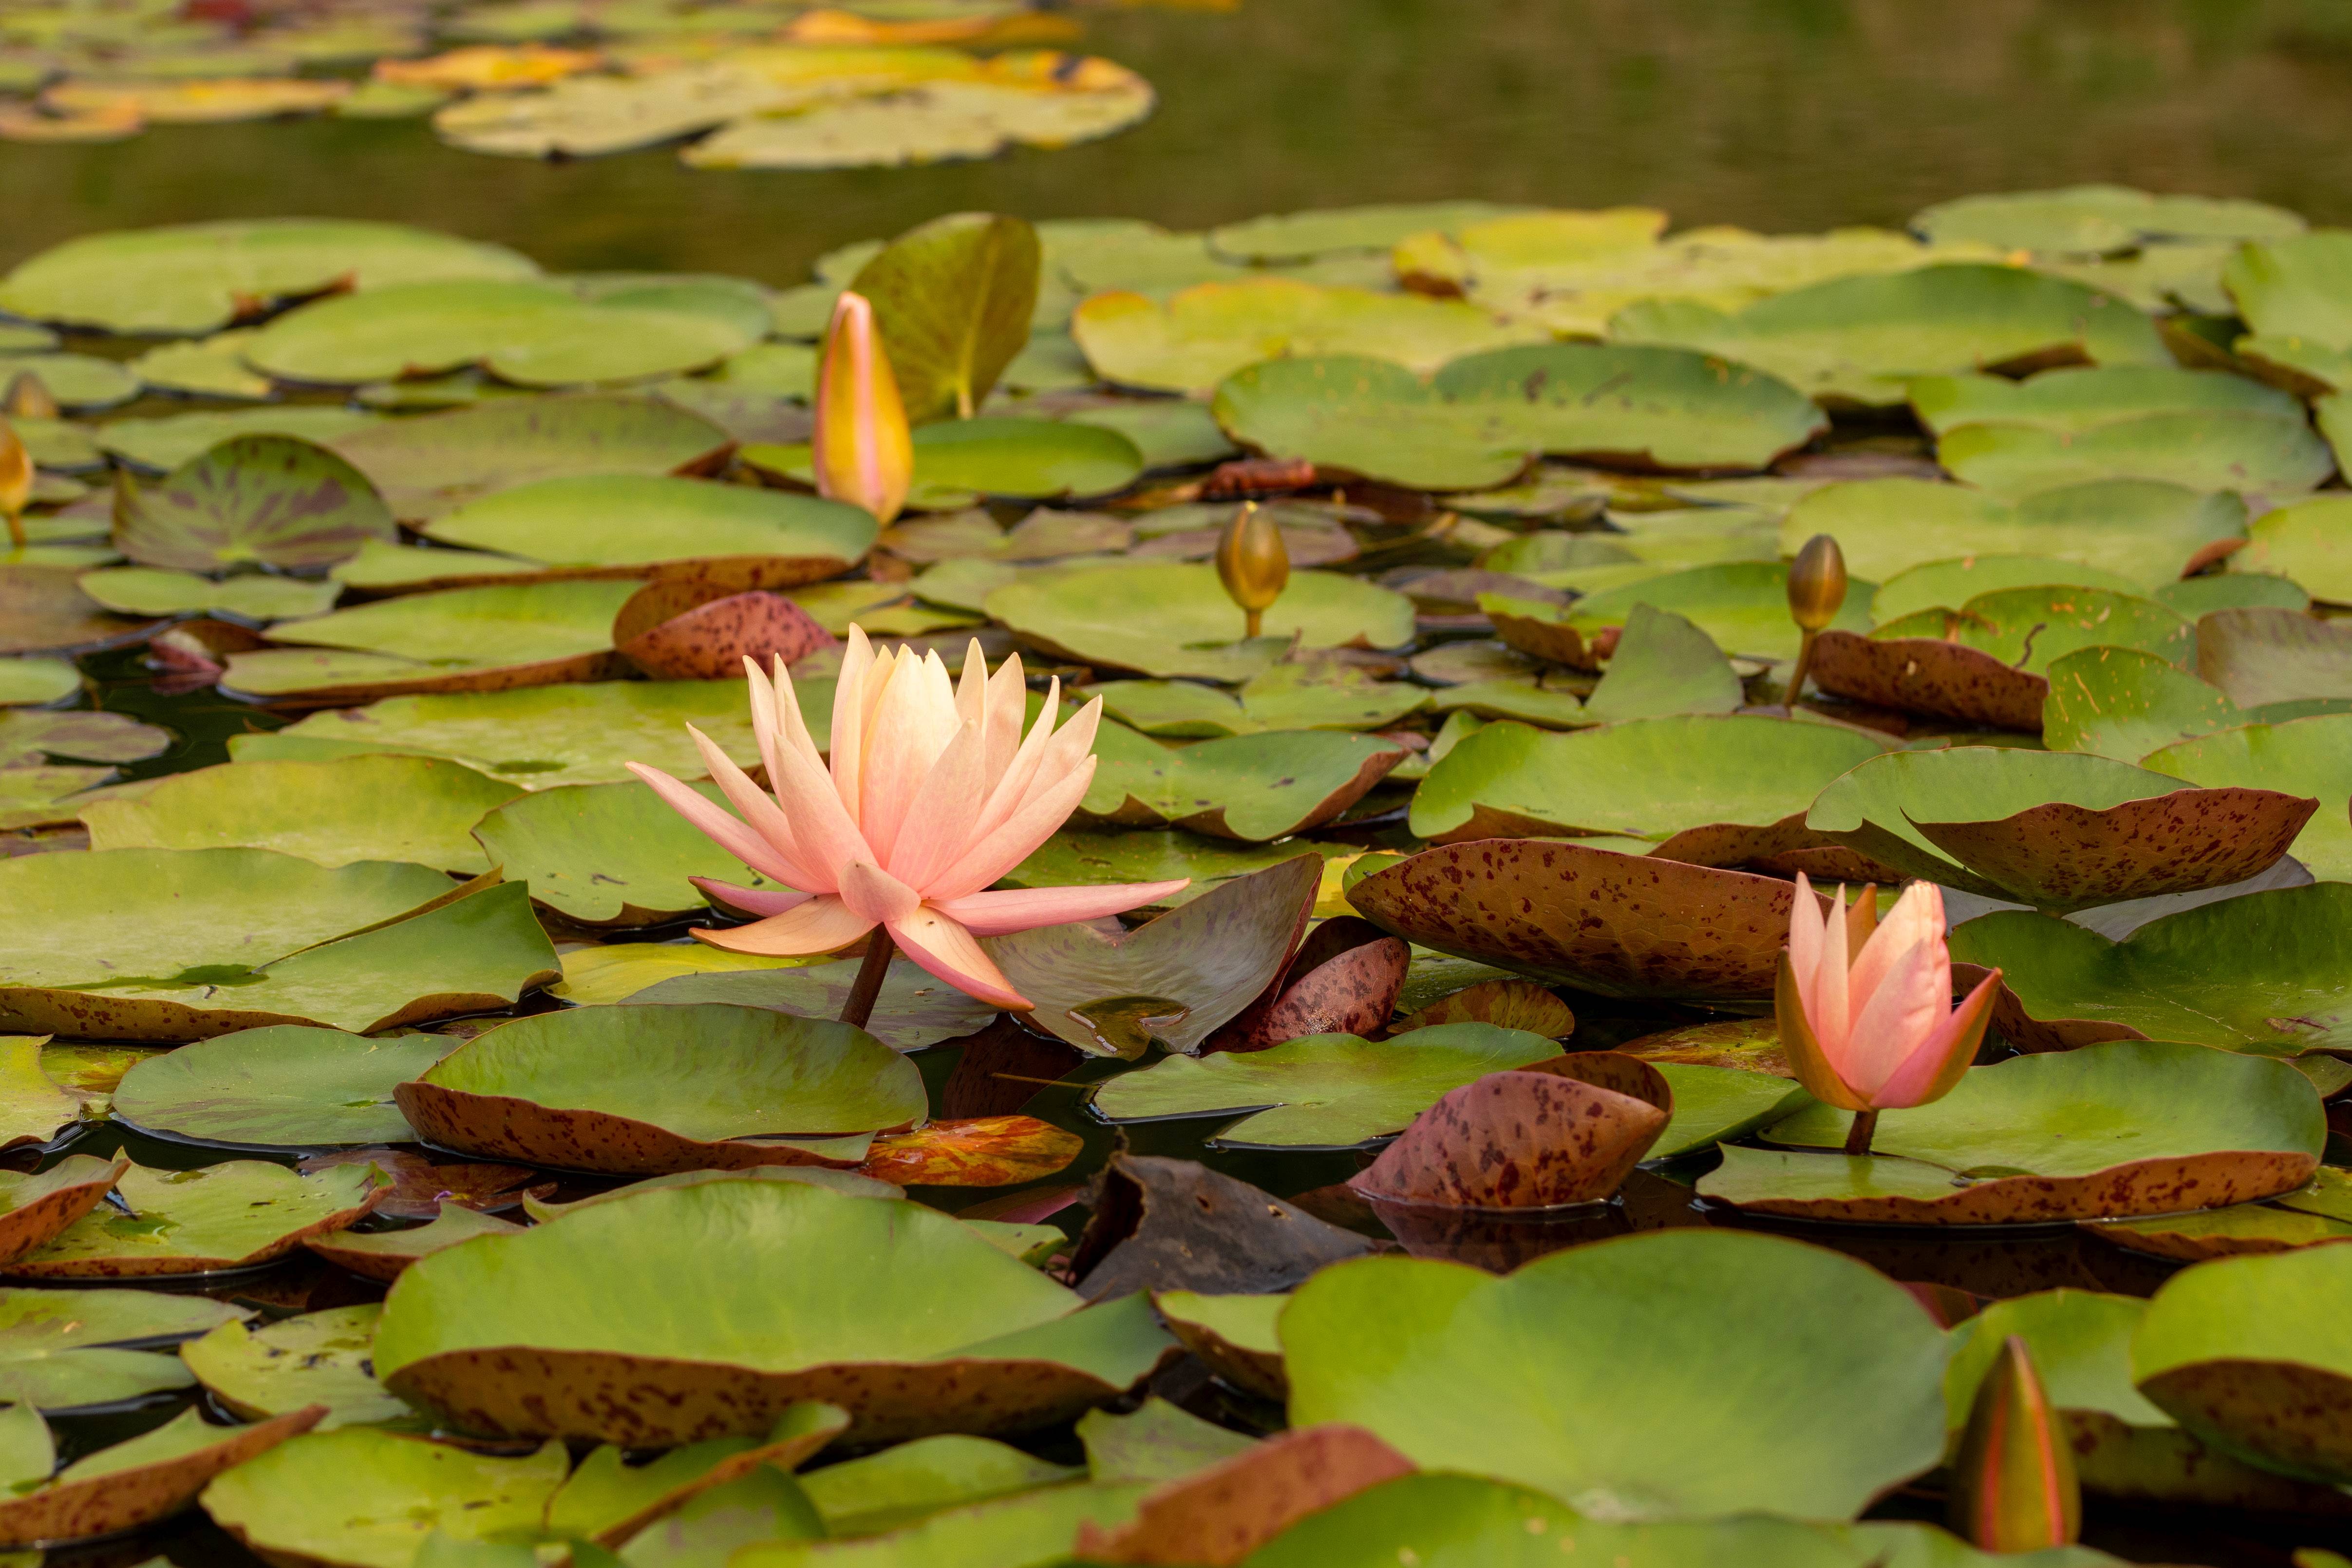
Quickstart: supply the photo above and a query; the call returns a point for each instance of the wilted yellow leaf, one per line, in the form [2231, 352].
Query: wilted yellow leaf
[491, 66]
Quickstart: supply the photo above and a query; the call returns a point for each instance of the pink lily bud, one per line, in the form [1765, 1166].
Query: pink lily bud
[861, 449]
[2014, 1482]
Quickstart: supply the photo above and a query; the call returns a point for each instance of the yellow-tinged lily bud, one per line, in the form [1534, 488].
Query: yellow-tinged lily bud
[16, 482]
[29, 399]
[1817, 583]
[1252, 564]
[861, 448]
[2014, 1484]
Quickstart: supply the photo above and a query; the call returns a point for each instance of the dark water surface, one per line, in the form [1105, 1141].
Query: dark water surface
[1779, 114]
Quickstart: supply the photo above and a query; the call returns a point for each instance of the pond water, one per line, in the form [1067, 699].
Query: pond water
[1777, 114]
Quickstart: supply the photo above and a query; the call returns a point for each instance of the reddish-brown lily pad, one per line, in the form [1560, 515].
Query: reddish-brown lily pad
[689, 630]
[1544, 1136]
[1506, 1004]
[1929, 675]
[1234, 1336]
[40, 1206]
[1217, 1517]
[1343, 980]
[136, 1483]
[420, 1186]
[977, 1152]
[1618, 925]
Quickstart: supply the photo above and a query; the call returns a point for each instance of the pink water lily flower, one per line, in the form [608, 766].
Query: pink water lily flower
[1864, 1006]
[933, 794]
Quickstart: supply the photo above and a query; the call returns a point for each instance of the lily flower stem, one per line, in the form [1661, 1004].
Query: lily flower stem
[1254, 623]
[1797, 672]
[17, 537]
[1857, 1137]
[869, 985]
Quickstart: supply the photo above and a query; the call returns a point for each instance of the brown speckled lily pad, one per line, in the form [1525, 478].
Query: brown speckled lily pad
[39, 1206]
[1929, 675]
[1553, 1134]
[1218, 1516]
[1343, 980]
[1618, 925]
[148, 1478]
[685, 630]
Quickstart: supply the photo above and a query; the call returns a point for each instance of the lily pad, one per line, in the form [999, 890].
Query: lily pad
[1716, 1104]
[1948, 584]
[607, 853]
[368, 1498]
[1714, 791]
[545, 737]
[2128, 1128]
[175, 439]
[135, 1483]
[388, 807]
[231, 1216]
[275, 500]
[2305, 541]
[1863, 339]
[1325, 1091]
[878, 1493]
[2231, 1351]
[1176, 620]
[425, 466]
[2262, 656]
[645, 1090]
[1250, 787]
[2073, 830]
[768, 1293]
[386, 1254]
[76, 381]
[1462, 1370]
[914, 1009]
[1176, 979]
[457, 639]
[1614, 924]
[196, 278]
[2300, 757]
[2206, 451]
[1285, 697]
[1743, 606]
[2142, 530]
[241, 938]
[145, 591]
[288, 1086]
[1565, 1131]
[616, 525]
[1482, 419]
[37, 680]
[958, 461]
[598, 976]
[43, 1206]
[2263, 973]
[1234, 1334]
[42, 610]
[2123, 703]
[316, 1359]
[2097, 219]
[952, 299]
[91, 737]
[1202, 334]
[57, 1345]
[1077, 858]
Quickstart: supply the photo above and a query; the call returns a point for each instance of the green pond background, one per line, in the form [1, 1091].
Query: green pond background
[1780, 114]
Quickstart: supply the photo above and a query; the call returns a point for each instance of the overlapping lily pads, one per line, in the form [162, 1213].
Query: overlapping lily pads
[287, 1087]
[459, 639]
[230, 1215]
[606, 854]
[1177, 621]
[1221, 787]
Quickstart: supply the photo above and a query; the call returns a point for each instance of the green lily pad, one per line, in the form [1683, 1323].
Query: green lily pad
[32, 796]
[1202, 334]
[599, 976]
[1169, 434]
[1030, 1528]
[608, 853]
[381, 567]
[230, 1215]
[175, 439]
[528, 332]
[621, 521]
[755, 1295]
[456, 639]
[77, 381]
[193, 278]
[2096, 219]
[2259, 657]
[1250, 787]
[369, 1499]
[288, 1086]
[2142, 530]
[1176, 620]
[2071, 830]
[1863, 339]
[129, 1485]
[1456, 1368]
[2127, 1128]
[385, 807]
[1285, 697]
[2301, 757]
[56, 1345]
[545, 737]
[1742, 605]
[274, 500]
[1716, 1104]
[2234, 1352]
[2077, 400]
[1073, 857]
[1614, 924]
[952, 299]
[2305, 541]
[848, 1183]
[609, 1501]
[2263, 973]
[2239, 1230]
[1948, 584]
[145, 591]
[884, 1491]
[643, 1090]
[1482, 418]
[1176, 979]
[96, 737]
[1715, 790]
[2123, 703]
[1296, 237]
[914, 1009]
[212, 368]
[2205, 451]
[318, 1358]
[425, 466]
[384, 1254]
[958, 461]
[31, 681]
[1042, 535]
[1325, 1091]
[2198, 596]
[236, 939]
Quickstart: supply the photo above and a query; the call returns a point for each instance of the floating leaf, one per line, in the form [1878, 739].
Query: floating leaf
[878, 1493]
[952, 298]
[982, 1152]
[143, 591]
[274, 500]
[2305, 541]
[2123, 703]
[135, 1483]
[230, 1215]
[386, 1254]
[1235, 1335]
[1219, 1515]
[1176, 620]
[1250, 787]
[2300, 757]
[54, 1342]
[363, 1496]
[1743, 606]
[607, 853]
[1170, 1224]
[643, 1090]
[316, 1359]
[288, 1086]
[1566, 1132]
[2262, 655]
[914, 1009]
[176, 440]
[1015, 1352]
[459, 639]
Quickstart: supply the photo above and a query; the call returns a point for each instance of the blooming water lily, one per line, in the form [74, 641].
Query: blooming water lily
[1864, 1005]
[933, 796]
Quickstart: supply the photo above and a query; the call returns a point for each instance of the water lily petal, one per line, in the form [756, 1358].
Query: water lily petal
[989, 859]
[823, 830]
[848, 747]
[760, 902]
[819, 925]
[1005, 795]
[1912, 999]
[915, 722]
[1929, 1072]
[759, 809]
[1009, 909]
[715, 823]
[1917, 916]
[948, 951]
[874, 895]
[1806, 1059]
[938, 831]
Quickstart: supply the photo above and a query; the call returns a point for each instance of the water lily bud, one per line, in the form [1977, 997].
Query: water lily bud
[16, 482]
[1817, 583]
[29, 399]
[2013, 1485]
[861, 448]
[1252, 563]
